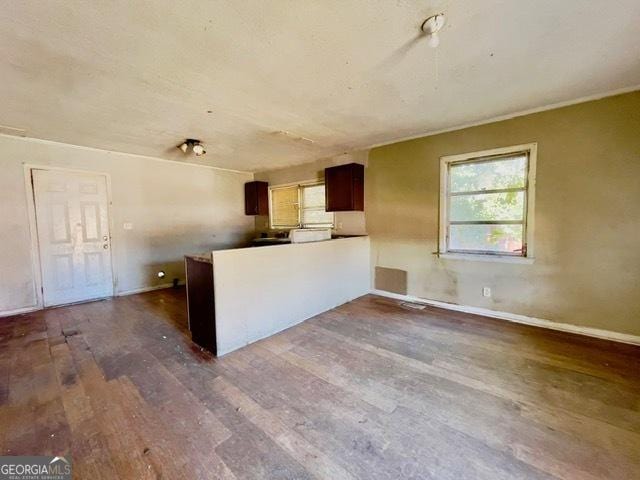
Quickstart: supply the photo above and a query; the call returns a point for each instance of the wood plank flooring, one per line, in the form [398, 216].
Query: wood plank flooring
[370, 390]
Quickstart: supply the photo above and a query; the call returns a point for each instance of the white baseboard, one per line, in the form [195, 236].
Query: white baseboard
[147, 289]
[19, 311]
[514, 317]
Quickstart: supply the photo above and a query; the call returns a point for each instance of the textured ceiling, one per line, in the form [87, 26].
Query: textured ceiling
[337, 75]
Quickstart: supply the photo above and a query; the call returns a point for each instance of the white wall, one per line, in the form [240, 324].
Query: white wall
[175, 209]
[263, 290]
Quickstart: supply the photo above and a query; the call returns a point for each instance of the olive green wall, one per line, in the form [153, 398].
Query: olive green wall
[587, 233]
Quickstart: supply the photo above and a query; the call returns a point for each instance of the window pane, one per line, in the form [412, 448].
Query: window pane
[505, 172]
[284, 207]
[316, 217]
[313, 196]
[488, 238]
[489, 206]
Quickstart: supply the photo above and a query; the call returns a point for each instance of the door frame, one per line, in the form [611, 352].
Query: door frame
[36, 263]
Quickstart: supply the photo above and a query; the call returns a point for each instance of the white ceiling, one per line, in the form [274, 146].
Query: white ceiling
[139, 77]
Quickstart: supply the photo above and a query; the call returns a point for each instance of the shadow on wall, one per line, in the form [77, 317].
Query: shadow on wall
[165, 251]
[165, 273]
[198, 238]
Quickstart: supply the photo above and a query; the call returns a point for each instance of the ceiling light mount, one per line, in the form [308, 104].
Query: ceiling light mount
[193, 144]
[431, 26]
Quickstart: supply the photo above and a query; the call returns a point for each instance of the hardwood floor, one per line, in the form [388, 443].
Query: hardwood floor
[370, 390]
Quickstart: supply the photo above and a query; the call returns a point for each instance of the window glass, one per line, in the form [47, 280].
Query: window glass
[503, 172]
[313, 212]
[486, 205]
[486, 238]
[313, 196]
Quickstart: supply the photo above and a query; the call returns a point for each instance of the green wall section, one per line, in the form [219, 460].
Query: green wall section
[587, 219]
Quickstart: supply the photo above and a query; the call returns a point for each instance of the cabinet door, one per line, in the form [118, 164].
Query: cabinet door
[201, 304]
[344, 187]
[358, 187]
[262, 192]
[250, 199]
[256, 198]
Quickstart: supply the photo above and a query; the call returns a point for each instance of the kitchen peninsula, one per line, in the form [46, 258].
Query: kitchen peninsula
[238, 296]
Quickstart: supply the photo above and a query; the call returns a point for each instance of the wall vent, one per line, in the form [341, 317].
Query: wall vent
[391, 280]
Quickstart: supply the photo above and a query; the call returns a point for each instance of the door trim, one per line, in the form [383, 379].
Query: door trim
[36, 264]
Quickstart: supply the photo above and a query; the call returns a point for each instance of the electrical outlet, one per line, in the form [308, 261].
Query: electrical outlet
[127, 226]
[339, 226]
[486, 291]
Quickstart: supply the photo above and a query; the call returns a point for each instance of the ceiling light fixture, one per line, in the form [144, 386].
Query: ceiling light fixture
[198, 149]
[195, 146]
[431, 26]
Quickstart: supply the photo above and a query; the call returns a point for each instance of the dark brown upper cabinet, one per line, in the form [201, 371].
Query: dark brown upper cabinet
[344, 187]
[256, 198]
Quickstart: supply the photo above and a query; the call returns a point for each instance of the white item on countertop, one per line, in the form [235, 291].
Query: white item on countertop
[303, 235]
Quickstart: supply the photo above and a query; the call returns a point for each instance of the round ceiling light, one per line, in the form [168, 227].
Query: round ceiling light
[198, 149]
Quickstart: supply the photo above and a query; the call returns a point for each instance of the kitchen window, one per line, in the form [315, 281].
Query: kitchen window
[299, 206]
[486, 204]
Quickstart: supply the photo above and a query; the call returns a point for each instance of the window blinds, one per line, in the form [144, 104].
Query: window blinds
[285, 207]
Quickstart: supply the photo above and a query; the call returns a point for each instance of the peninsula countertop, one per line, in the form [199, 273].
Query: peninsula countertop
[235, 296]
[206, 257]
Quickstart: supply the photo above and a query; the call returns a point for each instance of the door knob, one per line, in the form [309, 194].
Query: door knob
[105, 246]
[105, 238]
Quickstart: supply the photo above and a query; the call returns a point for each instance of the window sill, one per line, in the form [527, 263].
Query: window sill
[487, 258]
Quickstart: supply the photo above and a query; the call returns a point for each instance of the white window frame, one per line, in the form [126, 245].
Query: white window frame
[299, 185]
[446, 162]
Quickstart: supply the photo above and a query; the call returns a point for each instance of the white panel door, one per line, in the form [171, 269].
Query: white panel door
[72, 218]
